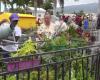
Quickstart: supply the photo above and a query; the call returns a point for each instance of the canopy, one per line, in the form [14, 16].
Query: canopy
[32, 9]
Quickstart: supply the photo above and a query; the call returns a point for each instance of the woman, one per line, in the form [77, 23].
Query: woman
[47, 28]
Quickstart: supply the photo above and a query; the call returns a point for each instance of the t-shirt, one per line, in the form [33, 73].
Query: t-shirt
[12, 47]
[86, 24]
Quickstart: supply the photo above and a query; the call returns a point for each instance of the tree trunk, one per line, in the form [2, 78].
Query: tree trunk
[54, 7]
[35, 7]
[0, 6]
[62, 9]
[12, 7]
[5, 6]
[62, 5]
[99, 7]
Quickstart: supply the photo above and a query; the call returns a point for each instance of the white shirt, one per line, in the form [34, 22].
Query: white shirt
[13, 47]
[60, 26]
[73, 25]
[48, 31]
[17, 31]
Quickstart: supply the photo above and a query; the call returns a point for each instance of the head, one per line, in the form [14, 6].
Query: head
[47, 18]
[14, 20]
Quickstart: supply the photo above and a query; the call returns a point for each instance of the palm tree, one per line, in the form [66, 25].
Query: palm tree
[54, 6]
[0, 5]
[61, 2]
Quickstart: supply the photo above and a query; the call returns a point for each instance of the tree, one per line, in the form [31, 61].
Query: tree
[11, 3]
[61, 2]
[47, 5]
[39, 3]
[81, 12]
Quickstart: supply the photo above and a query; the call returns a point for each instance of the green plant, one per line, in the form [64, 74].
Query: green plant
[27, 48]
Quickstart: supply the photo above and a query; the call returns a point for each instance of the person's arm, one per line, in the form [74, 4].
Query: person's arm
[39, 36]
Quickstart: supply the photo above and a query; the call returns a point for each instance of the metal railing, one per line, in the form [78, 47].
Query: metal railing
[64, 69]
[75, 64]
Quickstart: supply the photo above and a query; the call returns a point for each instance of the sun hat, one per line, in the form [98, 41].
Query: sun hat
[14, 17]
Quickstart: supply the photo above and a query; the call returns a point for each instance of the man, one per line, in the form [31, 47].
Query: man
[98, 28]
[11, 34]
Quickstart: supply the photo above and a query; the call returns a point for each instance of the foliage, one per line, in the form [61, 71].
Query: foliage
[22, 2]
[67, 39]
[28, 47]
[47, 5]
[72, 32]
[17, 10]
[81, 13]
[56, 43]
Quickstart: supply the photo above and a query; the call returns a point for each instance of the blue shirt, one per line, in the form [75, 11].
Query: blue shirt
[86, 24]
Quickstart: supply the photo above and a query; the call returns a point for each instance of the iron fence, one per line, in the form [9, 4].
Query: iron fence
[59, 70]
[68, 64]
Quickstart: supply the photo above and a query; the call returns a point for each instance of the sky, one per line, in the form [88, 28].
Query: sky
[70, 2]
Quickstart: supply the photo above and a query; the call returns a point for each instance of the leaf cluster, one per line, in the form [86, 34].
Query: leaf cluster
[27, 48]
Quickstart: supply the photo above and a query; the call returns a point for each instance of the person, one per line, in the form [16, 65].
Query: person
[86, 23]
[39, 20]
[61, 26]
[78, 20]
[47, 28]
[14, 33]
[98, 28]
